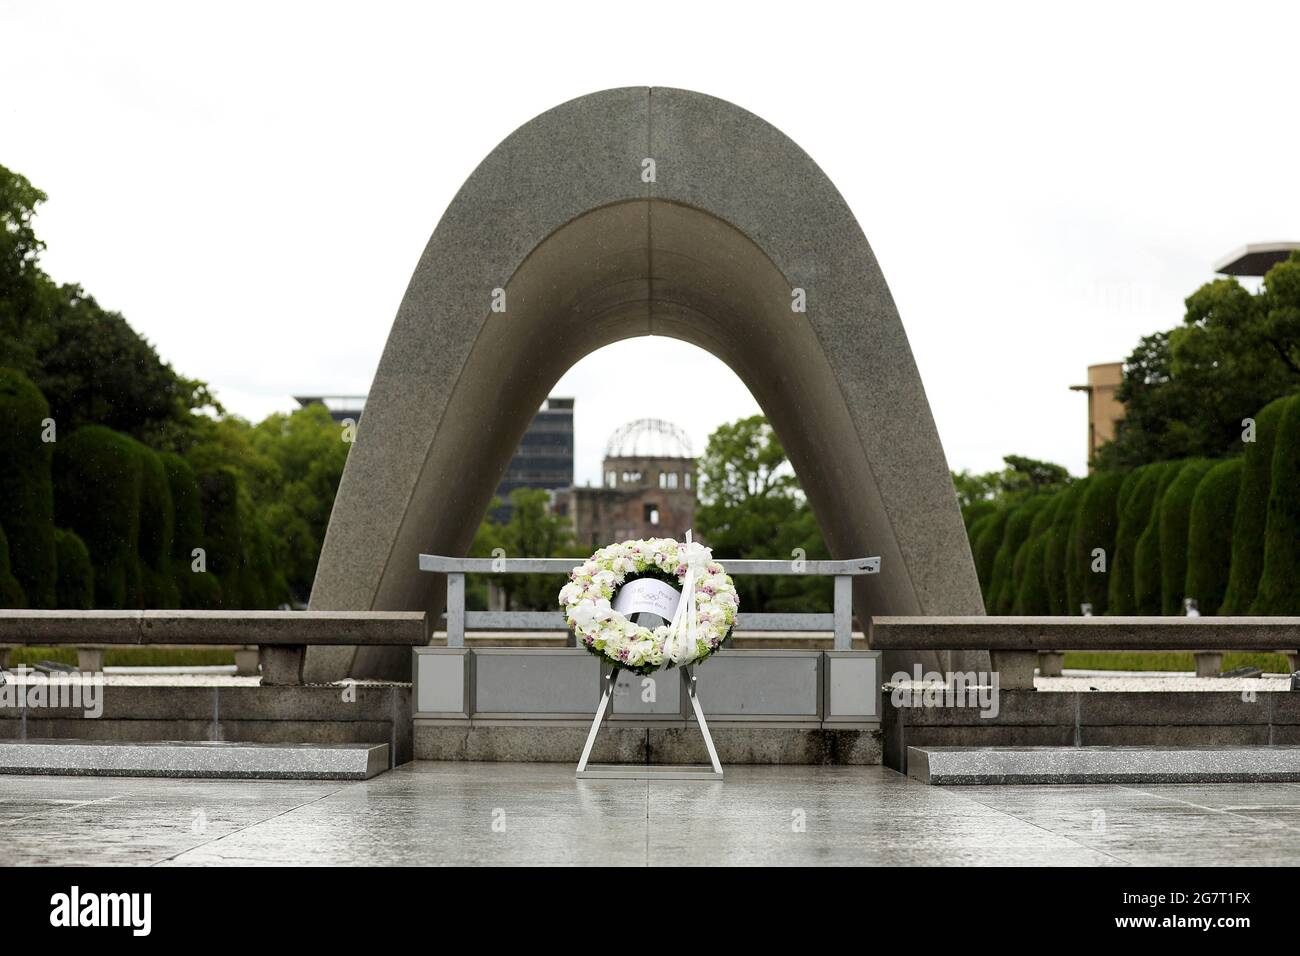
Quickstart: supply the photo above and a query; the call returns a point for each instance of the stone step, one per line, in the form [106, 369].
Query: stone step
[180, 758]
[955, 766]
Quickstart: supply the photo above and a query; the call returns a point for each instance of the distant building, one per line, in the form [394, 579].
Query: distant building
[1105, 411]
[648, 490]
[544, 458]
[1255, 259]
[340, 407]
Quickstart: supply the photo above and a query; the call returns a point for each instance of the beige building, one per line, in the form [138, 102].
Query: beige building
[1104, 410]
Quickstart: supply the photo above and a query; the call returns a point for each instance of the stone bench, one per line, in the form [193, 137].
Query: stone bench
[280, 637]
[1015, 643]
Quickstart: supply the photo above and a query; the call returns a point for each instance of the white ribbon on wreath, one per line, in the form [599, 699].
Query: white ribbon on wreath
[680, 644]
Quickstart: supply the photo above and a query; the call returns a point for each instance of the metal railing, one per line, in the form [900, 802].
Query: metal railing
[839, 621]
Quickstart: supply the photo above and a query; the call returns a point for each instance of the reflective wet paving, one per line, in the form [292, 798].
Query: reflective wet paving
[465, 813]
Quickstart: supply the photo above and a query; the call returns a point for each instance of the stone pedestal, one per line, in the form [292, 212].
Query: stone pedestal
[1015, 669]
[1208, 663]
[1051, 663]
[90, 660]
[247, 660]
[281, 666]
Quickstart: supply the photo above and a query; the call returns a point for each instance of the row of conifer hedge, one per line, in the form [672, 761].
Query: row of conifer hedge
[1225, 534]
[97, 519]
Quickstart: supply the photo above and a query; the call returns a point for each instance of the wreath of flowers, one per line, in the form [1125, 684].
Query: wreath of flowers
[606, 633]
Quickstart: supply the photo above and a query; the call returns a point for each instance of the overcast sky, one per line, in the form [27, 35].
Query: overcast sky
[251, 184]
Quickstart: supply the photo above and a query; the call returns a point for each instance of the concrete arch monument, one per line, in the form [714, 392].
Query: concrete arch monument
[631, 212]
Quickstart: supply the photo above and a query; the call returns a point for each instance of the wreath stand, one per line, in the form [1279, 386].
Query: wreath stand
[647, 772]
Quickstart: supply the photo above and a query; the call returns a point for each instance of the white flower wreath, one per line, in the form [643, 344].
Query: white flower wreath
[694, 632]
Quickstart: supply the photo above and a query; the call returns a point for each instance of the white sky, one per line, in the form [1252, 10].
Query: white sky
[251, 184]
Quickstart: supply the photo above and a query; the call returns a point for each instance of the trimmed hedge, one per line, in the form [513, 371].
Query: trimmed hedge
[1058, 549]
[1137, 496]
[1018, 524]
[976, 510]
[97, 480]
[1032, 595]
[1209, 534]
[1175, 516]
[1147, 583]
[11, 592]
[76, 584]
[223, 531]
[1002, 590]
[1098, 521]
[986, 534]
[1279, 581]
[1251, 518]
[157, 517]
[197, 590]
[26, 488]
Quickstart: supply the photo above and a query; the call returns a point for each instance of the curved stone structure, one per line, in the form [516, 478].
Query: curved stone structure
[590, 248]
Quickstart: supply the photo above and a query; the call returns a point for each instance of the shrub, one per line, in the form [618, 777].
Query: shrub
[26, 488]
[223, 531]
[1137, 497]
[1209, 534]
[976, 510]
[1002, 589]
[157, 517]
[97, 479]
[194, 589]
[1147, 583]
[1279, 581]
[1175, 515]
[76, 582]
[11, 592]
[1251, 517]
[1058, 549]
[1097, 523]
[986, 537]
[1030, 571]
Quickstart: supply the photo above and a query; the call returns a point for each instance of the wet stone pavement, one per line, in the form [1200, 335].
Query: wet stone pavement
[465, 813]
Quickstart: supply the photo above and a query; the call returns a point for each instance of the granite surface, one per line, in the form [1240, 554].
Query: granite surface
[215, 759]
[1087, 765]
[492, 814]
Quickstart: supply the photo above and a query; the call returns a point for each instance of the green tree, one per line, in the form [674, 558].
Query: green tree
[533, 531]
[1187, 391]
[157, 521]
[1279, 581]
[97, 478]
[1175, 518]
[1058, 548]
[986, 538]
[1251, 518]
[1209, 534]
[1002, 589]
[11, 592]
[24, 289]
[308, 452]
[1148, 582]
[1137, 497]
[1020, 478]
[1030, 572]
[26, 487]
[751, 506]
[1094, 540]
[76, 584]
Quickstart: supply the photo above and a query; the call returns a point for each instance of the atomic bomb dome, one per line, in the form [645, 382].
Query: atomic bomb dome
[649, 438]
